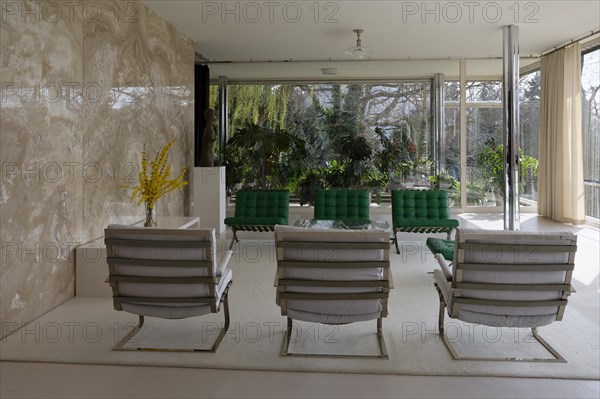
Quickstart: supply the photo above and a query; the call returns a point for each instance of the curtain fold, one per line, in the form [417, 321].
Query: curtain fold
[560, 172]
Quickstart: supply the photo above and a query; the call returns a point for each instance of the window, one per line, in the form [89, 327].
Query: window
[374, 135]
[484, 143]
[529, 120]
[451, 164]
[377, 135]
[590, 88]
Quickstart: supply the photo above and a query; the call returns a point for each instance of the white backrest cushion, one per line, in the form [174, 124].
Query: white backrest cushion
[321, 253]
[162, 253]
[492, 253]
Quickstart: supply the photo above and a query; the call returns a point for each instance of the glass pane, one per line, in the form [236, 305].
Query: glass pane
[452, 92]
[451, 163]
[484, 91]
[529, 119]
[590, 82]
[484, 157]
[300, 136]
[213, 102]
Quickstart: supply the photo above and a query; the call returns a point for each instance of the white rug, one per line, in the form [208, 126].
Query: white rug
[83, 331]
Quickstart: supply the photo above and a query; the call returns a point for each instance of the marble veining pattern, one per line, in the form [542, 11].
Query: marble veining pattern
[82, 94]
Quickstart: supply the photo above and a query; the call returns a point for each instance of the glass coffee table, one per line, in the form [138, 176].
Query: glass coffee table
[378, 225]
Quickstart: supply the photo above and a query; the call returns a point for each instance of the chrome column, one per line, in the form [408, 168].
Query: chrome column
[463, 133]
[438, 123]
[510, 105]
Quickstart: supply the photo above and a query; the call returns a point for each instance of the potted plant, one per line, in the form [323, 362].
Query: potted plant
[156, 182]
[444, 181]
[490, 160]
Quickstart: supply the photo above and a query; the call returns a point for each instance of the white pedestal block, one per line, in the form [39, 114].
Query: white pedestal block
[210, 197]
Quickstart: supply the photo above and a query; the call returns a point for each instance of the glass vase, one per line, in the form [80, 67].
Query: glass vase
[150, 213]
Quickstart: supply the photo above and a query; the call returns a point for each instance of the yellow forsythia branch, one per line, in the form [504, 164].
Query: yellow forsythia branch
[151, 188]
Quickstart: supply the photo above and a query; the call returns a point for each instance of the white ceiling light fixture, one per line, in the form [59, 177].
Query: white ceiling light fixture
[358, 52]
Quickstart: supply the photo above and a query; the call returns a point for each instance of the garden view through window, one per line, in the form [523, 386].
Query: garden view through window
[590, 87]
[375, 135]
[483, 155]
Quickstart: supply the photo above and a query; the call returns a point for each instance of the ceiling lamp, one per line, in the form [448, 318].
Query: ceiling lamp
[358, 52]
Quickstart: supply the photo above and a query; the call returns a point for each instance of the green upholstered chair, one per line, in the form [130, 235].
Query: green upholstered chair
[258, 210]
[445, 248]
[341, 204]
[421, 212]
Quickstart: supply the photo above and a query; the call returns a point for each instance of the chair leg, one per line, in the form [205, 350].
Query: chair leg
[225, 301]
[382, 347]
[554, 352]
[449, 234]
[135, 330]
[234, 239]
[442, 309]
[285, 345]
[396, 243]
[534, 332]
[441, 314]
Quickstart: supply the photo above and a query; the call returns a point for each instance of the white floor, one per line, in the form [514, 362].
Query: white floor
[52, 380]
[43, 380]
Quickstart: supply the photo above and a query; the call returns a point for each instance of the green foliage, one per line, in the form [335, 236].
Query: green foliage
[265, 156]
[213, 97]
[376, 182]
[397, 154]
[475, 193]
[491, 162]
[444, 180]
[338, 175]
[334, 123]
[258, 105]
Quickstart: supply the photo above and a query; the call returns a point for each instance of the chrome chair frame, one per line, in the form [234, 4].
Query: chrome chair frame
[126, 246]
[120, 346]
[460, 292]
[282, 283]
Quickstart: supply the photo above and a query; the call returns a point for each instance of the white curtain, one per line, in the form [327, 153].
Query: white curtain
[560, 174]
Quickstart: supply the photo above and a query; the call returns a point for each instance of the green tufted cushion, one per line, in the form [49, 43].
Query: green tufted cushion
[341, 204]
[440, 246]
[260, 207]
[411, 208]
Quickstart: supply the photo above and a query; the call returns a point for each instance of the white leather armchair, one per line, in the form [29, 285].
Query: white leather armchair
[166, 273]
[332, 277]
[506, 279]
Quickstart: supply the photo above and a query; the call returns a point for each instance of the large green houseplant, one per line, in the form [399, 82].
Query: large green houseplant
[491, 162]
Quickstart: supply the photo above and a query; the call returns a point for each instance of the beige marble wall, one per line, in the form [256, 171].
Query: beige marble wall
[144, 71]
[84, 88]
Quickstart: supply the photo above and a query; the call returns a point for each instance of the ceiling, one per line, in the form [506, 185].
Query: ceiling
[295, 39]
